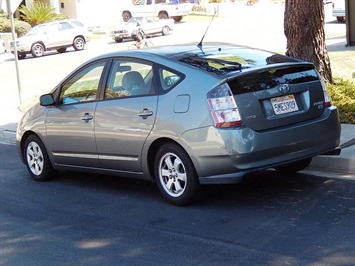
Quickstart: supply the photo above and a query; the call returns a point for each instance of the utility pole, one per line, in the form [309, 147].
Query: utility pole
[11, 15]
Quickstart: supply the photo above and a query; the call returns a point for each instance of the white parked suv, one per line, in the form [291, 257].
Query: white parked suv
[56, 35]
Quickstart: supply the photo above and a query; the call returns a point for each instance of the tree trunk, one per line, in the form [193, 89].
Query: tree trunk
[304, 30]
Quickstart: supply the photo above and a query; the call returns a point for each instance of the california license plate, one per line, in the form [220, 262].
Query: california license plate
[284, 104]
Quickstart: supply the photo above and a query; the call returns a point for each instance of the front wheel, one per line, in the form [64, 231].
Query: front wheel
[79, 44]
[175, 175]
[294, 167]
[163, 15]
[37, 50]
[37, 160]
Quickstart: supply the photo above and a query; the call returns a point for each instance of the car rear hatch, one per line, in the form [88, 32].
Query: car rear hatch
[278, 95]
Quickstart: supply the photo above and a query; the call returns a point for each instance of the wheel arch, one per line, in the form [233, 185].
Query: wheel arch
[24, 137]
[153, 148]
[163, 12]
[41, 43]
[79, 36]
[126, 12]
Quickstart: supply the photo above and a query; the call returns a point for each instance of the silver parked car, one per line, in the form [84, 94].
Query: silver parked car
[56, 35]
[150, 26]
[181, 116]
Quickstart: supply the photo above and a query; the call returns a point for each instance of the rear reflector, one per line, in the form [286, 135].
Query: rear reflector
[223, 108]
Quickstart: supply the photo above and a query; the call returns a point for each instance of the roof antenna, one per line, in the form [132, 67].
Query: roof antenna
[200, 44]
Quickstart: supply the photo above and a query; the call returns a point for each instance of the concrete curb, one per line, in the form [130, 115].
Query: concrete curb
[333, 164]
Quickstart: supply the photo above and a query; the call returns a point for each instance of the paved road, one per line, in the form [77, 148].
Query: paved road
[269, 219]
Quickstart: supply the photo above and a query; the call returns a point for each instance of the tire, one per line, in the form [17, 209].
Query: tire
[21, 56]
[62, 50]
[126, 16]
[294, 167]
[163, 15]
[165, 30]
[340, 19]
[37, 162]
[118, 39]
[37, 50]
[79, 44]
[175, 175]
[177, 18]
[148, 44]
[132, 47]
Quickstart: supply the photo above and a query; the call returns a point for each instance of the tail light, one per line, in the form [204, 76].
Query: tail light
[327, 99]
[224, 110]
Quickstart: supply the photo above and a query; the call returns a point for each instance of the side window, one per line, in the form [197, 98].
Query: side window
[83, 86]
[168, 79]
[129, 78]
[52, 29]
[65, 26]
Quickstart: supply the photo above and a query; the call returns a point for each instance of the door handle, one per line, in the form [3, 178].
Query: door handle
[145, 113]
[87, 117]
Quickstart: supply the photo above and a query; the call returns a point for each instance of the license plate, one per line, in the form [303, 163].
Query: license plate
[284, 104]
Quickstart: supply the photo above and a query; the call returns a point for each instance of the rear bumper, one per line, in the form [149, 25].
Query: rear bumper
[228, 154]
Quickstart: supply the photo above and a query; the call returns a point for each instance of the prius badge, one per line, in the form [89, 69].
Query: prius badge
[284, 88]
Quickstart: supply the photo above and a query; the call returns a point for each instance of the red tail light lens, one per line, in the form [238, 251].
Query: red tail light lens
[224, 110]
[327, 99]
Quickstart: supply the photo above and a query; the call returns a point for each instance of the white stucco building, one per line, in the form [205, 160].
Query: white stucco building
[90, 12]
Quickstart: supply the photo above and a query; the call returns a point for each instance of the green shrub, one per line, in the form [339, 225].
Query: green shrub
[342, 92]
[21, 27]
[37, 13]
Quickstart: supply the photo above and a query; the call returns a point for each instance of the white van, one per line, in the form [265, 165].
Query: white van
[339, 10]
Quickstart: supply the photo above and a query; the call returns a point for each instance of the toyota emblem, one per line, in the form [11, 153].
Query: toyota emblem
[284, 88]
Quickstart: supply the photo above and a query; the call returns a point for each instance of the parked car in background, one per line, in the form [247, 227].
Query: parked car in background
[338, 7]
[181, 116]
[163, 9]
[56, 35]
[150, 26]
[2, 46]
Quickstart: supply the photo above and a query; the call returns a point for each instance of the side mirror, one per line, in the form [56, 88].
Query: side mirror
[46, 100]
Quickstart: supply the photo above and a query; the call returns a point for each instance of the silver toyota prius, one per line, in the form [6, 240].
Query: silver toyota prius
[181, 116]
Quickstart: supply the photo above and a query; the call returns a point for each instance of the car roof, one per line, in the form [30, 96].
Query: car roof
[178, 51]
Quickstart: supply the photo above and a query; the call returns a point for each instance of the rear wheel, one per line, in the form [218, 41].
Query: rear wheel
[177, 18]
[21, 55]
[340, 19]
[294, 167]
[37, 50]
[175, 175]
[62, 50]
[126, 16]
[118, 39]
[79, 44]
[36, 158]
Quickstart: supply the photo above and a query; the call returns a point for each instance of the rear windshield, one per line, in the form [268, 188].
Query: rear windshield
[271, 78]
[225, 60]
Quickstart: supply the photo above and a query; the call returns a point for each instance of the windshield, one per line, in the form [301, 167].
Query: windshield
[134, 20]
[39, 29]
